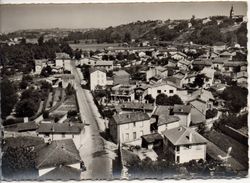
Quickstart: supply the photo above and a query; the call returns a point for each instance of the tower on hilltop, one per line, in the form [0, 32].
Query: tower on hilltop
[231, 12]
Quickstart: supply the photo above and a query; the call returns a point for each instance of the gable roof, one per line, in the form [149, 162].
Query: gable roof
[130, 117]
[121, 73]
[62, 173]
[182, 109]
[184, 136]
[91, 70]
[59, 152]
[22, 127]
[56, 128]
[137, 105]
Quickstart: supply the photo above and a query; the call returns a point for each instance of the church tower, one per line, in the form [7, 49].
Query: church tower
[231, 12]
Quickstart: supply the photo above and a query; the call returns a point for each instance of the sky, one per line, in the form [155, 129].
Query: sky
[34, 16]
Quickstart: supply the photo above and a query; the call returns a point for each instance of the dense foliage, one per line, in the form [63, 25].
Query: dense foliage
[163, 99]
[235, 97]
[8, 97]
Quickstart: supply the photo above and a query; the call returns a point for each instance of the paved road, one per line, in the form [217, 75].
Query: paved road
[93, 152]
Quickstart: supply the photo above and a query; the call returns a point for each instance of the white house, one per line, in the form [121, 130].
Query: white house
[165, 87]
[60, 131]
[129, 127]
[39, 65]
[98, 77]
[184, 113]
[183, 144]
[209, 73]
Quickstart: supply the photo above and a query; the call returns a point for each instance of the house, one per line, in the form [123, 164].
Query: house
[162, 120]
[182, 144]
[129, 127]
[60, 131]
[219, 46]
[184, 64]
[218, 63]
[178, 55]
[128, 107]
[20, 129]
[156, 71]
[121, 93]
[209, 73]
[63, 61]
[97, 63]
[97, 77]
[165, 87]
[242, 77]
[198, 111]
[54, 154]
[184, 114]
[121, 77]
[39, 65]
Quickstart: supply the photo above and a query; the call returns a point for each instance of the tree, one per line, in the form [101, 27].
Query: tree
[211, 113]
[46, 71]
[69, 90]
[17, 161]
[149, 98]
[199, 80]
[163, 99]
[235, 97]
[8, 97]
[127, 37]
[26, 108]
[40, 40]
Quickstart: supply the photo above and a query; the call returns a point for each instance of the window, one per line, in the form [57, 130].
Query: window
[46, 135]
[134, 135]
[178, 159]
[63, 135]
[72, 136]
[165, 90]
[127, 137]
[171, 91]
[158, 91]
[177, 148]
[134, 124]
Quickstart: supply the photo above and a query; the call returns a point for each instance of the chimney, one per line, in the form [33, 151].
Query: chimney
[190, 137]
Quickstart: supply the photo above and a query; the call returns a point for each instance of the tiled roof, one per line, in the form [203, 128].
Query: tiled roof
[56, 128]
[137, 105]
[163, 115]
[91, 70]
[59, 152]
[22, 127]
[121, 73]
[185, 109]
[184, 136]
[130, 117]
[62, 173]
[235, 63]
[62, 56]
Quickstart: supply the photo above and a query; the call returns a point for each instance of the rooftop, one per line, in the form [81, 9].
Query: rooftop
[184, 136]
[130, 117]
[184, 109]
[150, 138]
[59, 152]
[59, 128]
[62, 173]
[121, 73]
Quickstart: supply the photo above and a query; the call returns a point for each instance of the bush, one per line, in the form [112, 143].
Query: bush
[211, 113]
[71, 113]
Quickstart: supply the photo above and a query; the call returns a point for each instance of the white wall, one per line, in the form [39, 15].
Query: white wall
[185, 119]
[164, 89]
[194, 152]
[125, 131]
[97, 78]
[59, 63]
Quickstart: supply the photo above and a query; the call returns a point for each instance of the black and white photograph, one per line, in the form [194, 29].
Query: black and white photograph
[123, 90]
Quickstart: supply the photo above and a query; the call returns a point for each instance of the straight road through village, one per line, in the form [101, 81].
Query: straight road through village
[96, 159]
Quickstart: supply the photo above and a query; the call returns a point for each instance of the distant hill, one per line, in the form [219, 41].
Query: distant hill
[201, 31]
